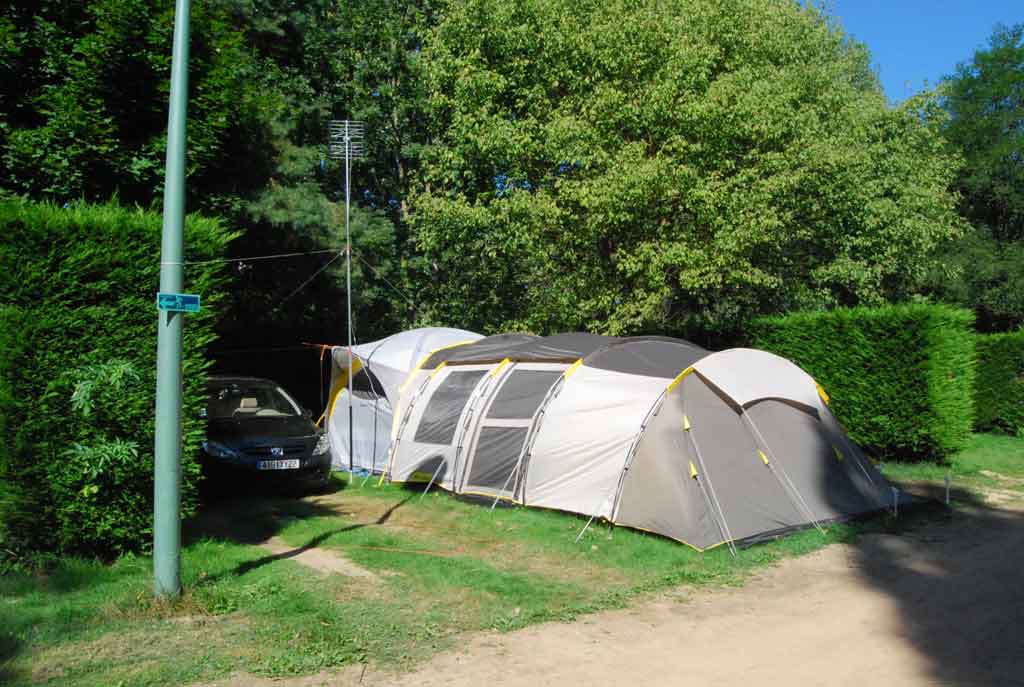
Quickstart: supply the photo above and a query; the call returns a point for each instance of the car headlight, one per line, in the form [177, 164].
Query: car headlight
[323, 445]
[215, 449]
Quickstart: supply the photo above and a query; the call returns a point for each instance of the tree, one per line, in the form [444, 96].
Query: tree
[83, 115]
[667, 166]
[84, 109]
[324, 60]
[984, 101]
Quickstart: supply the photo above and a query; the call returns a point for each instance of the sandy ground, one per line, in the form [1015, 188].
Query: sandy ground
[943, 605]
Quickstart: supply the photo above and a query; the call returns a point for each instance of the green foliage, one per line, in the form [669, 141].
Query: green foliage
[667, 166]
[985, 99]
[986, 274]
[901, 378]
[999, 395]
[76, 376]
[84, 110]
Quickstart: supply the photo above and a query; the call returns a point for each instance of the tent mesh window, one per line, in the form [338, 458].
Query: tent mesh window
[366, 385]
[522, 394]
[496, 456]
[441, 416]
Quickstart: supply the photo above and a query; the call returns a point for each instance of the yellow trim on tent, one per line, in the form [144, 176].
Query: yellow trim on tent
[693, 470]
[500, 366]
[686, 423]
[821, 392]
[424, 359]
[764, 458]
[397, 410]
[839, 454]
[678, 380]
[572, 368]
[681, 541]
[440, 367]
[338, 387]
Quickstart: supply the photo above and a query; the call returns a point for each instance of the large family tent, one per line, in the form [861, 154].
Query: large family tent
[652, 433]
[380, 369]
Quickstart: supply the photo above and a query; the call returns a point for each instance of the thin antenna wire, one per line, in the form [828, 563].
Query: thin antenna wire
[306, 283]
[380, 276]
[254, 258]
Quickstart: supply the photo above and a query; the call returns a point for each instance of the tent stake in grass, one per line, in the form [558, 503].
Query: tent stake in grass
[949, 480]
[167, 440]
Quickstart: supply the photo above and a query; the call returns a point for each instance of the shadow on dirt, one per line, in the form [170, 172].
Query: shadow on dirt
[956, 580]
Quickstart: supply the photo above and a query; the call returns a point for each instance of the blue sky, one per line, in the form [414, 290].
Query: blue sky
[913, 41]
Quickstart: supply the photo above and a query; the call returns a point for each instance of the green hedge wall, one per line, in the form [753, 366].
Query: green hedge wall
[77, 372]
[999, 387]
[901, 378]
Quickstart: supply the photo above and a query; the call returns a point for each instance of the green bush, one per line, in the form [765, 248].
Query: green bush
[901, 378]
[78, 368]
[999, 387]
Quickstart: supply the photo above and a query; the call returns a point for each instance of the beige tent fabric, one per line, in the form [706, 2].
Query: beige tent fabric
[746, 375]
[581, 447]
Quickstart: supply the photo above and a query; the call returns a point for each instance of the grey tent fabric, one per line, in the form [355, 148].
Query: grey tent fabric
[521, 394]
[659, 494]
[750, 499]
[496, 457]
[437, 426]
[647, 432]
[523, 348]
[485, 350]
[652, 356]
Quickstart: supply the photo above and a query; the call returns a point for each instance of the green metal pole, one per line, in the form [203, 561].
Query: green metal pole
[167, 473]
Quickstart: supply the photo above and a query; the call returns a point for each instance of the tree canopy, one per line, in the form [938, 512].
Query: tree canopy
[984, 103]
[985, 100]
[667, 166]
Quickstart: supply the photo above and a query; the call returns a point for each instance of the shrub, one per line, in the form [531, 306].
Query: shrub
[78, 368]
[901, 378]
[999, 387]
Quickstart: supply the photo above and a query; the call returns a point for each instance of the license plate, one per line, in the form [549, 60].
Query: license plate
[292, 464]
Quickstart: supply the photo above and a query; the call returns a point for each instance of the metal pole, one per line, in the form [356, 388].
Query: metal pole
[167, 443]
[348, 288]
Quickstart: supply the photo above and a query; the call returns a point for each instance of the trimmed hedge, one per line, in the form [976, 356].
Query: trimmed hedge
[901, 378]
[78, 368]
[999, 387]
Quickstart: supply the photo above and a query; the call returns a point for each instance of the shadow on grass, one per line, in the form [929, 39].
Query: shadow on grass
[10, 646]
[956, 584]
[254, 517]
[318, 540]
[252, 511]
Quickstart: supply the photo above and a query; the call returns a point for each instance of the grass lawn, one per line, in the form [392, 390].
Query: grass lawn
[990, 462]
[441, 567]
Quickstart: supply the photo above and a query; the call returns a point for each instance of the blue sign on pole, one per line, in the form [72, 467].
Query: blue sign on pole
[178, 302]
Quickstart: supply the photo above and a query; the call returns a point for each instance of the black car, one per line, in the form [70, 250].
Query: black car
[255, 428]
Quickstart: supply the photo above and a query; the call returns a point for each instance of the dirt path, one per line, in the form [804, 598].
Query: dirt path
[941, 606]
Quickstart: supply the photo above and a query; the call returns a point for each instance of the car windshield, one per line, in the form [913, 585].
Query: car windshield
[249, 399]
